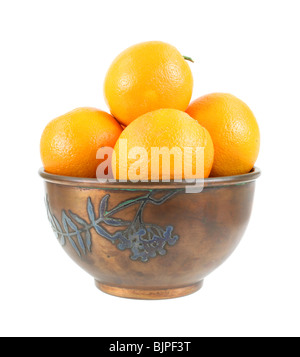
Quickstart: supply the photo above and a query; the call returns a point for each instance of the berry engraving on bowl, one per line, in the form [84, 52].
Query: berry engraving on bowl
[145, 240]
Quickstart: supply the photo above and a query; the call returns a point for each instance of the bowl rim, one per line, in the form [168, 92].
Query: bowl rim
[94, 183]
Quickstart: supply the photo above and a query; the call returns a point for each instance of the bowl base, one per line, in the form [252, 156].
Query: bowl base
[149, 294]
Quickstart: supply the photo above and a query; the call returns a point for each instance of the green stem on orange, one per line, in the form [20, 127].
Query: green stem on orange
[188, 59]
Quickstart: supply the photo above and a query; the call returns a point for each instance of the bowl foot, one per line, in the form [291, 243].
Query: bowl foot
[149, 294]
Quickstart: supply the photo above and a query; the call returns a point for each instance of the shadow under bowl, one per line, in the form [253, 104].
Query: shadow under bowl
[149, 240]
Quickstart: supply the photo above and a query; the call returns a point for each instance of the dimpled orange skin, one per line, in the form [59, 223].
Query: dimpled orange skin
[163, 128]
[145, 77]
[234, 131]
[69, 143]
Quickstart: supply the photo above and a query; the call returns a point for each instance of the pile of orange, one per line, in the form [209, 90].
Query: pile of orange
[148, 89]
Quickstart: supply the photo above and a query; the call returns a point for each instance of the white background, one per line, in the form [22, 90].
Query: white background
[54, 56]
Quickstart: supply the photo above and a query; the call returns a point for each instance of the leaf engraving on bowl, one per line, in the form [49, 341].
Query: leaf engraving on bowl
[145, 240]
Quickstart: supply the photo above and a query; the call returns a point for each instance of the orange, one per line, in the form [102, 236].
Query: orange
[145, 77]
[233, 129]
[163, 128]
[70, 142]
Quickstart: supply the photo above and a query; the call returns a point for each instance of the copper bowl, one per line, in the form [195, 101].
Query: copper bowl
[149, 241]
